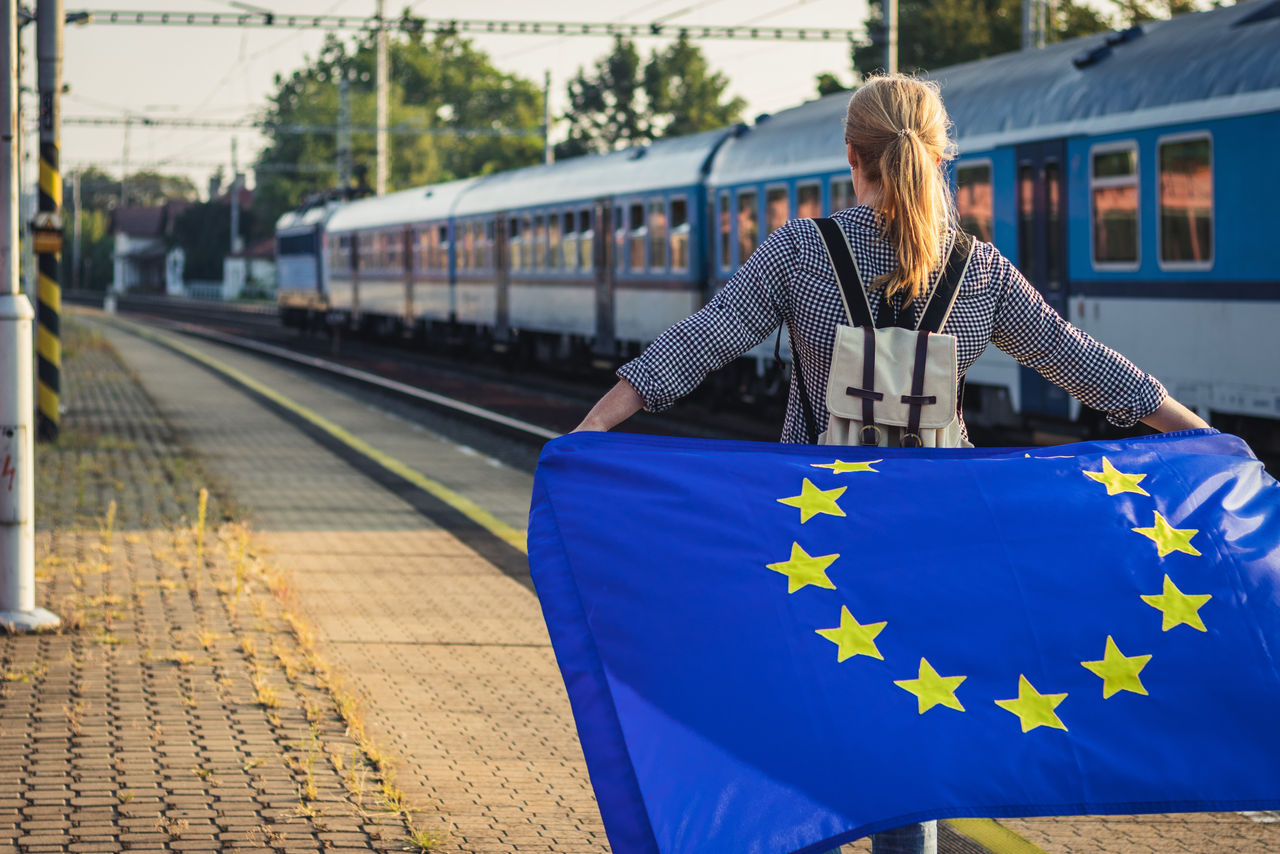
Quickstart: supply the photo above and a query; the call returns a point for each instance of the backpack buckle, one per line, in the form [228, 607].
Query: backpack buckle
[912, 440]
[873, 438]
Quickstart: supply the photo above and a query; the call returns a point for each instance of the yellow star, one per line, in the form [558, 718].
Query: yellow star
[1178, 607]
[852, 639]
[813, 501]
[1116, 481]
[931, 689]
[841, 467]
[1119, 672]
[1033, 708]
[803, 569]
[1168, 538]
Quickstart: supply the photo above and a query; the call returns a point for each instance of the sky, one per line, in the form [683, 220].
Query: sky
[207, 73]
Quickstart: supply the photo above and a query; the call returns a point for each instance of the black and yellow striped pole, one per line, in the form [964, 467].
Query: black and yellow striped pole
[47, 227]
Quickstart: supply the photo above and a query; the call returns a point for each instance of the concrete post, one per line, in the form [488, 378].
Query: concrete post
[380, 178]
[548, 154]
[891, 36]
[18, 611]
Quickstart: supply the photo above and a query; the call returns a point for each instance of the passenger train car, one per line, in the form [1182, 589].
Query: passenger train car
[1132, 176]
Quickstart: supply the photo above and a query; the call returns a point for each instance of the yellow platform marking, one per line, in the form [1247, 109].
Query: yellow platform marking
[49, 292]
[993, 836]
[48, 346]
[507, 533]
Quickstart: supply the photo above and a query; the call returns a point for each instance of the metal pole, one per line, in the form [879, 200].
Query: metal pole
[18, 609]
[1028, 14]
[344, 129]
[891, 33]
[548, 156]
[381, 178]
[75, 230]
[237, 242]
[48, 237]
[1042, 22]
[124, 160]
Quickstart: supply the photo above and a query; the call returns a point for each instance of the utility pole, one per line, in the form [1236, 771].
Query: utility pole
[237, 242]
[124, 160]
[75, 230]
[47, 227]
[18, 609]
[380, 178]
[344, 130]
[891, 34]
[548, 156]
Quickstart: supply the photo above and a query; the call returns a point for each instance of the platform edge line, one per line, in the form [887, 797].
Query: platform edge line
[993, 836]
[510, 535]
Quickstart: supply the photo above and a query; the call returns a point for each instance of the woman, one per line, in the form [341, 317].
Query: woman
[896, 141]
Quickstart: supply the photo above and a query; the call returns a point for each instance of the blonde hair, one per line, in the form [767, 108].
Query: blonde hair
[898, 129]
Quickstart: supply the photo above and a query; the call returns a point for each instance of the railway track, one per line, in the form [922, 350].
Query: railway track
[549, 404]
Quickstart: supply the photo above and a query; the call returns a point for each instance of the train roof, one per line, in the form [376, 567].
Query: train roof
[420, 204]
[1193, 67]
[305, 218]
[674, 162]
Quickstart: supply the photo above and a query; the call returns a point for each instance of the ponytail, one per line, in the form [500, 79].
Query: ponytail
[898, 129]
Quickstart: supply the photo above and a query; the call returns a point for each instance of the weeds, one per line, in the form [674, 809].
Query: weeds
[124, 797]
[202, 510]
[421, 840]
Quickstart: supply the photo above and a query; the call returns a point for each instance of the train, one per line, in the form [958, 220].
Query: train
[1132, 176]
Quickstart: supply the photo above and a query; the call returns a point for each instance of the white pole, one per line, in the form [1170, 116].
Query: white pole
[383, 119]
[548, 155]
[18, 609]
[891, 32]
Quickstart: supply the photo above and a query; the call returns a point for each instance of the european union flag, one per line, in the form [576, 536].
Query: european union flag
[778, 648]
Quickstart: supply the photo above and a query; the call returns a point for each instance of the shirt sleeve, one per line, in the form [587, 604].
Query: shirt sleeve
[738, 317]
[1028, 329]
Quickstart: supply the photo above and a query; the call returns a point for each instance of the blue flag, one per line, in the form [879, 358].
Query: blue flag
[775, 648]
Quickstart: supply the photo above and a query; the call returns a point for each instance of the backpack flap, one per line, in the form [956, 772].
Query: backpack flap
[894, 360]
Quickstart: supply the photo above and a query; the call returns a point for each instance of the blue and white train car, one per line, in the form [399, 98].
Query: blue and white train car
[390, 260]
[594, 254]
[300, 260]
[1131, 176]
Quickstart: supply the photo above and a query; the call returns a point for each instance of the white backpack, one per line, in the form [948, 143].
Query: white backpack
[891, 386]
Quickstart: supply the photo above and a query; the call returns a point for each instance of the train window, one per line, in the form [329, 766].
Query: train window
[974, 201]
[465, 245]
[1186, 201]
[809, 200]
[658, 234]
[637, 233]
[748, 224]
[514, 239]
[1026, 216]
[487, 259]
[1114, 190]
[527, 239]
[586, 242]
[539, 242]
[777, 208]
[679, 235]
[724, 231]
[1054, 259]
[842, 193]
[619, 239]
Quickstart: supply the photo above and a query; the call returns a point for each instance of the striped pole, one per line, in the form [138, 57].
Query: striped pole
[47, 227]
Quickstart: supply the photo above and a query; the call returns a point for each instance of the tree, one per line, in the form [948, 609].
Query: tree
[204, 233]
[937, 33]
[624, 102]
[441, 87]
[829, 84]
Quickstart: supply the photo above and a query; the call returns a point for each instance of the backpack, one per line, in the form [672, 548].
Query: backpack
[893, 385]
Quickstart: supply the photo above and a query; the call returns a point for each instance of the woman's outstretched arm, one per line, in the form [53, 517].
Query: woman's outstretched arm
[618, 404]
[1171, 415]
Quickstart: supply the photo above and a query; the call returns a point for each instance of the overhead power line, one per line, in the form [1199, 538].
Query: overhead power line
[655, 29]
[300, 168]
[251, 124]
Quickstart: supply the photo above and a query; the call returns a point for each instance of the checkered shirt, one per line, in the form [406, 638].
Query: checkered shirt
[789, 280]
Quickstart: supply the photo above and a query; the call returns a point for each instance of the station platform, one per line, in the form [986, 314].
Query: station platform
[419, 603]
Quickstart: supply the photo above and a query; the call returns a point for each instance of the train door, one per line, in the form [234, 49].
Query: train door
[406, 245]
[502, 279]
[604, 278]
[1042, 234]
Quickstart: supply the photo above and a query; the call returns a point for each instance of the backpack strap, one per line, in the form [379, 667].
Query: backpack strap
[856, 305]
[936, 312]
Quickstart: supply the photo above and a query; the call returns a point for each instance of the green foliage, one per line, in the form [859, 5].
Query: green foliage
[204, 233]
[829, 84]
[440, 86]
[624, 102]
[937, 33]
